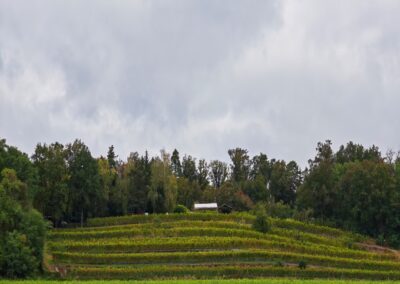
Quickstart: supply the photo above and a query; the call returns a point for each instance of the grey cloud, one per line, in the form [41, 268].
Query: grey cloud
[202, 76]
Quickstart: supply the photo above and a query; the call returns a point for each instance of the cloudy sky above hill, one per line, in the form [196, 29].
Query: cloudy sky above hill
[202, 76]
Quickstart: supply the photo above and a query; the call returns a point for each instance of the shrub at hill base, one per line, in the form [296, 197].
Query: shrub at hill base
[261, 223]
[22, 231]
[17, 258]
[180, 209]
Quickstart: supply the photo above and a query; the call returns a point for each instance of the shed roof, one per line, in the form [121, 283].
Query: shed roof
[205, 206]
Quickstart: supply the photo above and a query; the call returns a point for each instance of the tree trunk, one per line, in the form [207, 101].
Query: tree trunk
[82, 218]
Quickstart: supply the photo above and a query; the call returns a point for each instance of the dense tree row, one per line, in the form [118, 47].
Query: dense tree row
[355, 188]
[72, 185]
[22, 228]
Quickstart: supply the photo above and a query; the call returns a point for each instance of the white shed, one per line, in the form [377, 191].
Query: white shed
[205, 206]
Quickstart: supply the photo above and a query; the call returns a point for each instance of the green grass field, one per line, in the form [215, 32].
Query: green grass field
[240, 281]
[214, 246]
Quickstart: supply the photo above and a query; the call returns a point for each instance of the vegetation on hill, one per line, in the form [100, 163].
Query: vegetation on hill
[354, 188]
[212, 245]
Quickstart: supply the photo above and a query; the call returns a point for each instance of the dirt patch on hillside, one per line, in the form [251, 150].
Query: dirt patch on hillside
[379, 249]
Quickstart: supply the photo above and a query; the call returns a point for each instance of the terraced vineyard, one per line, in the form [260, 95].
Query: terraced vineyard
[203, 245]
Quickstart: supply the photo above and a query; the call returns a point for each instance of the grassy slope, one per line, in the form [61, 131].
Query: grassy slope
[213, 246]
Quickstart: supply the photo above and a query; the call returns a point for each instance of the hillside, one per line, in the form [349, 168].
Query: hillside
[205, 245]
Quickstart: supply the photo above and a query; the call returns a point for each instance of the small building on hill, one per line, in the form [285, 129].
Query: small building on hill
[205, 207]
[225, 208]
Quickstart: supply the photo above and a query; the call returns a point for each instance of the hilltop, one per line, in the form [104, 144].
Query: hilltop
[210, 245]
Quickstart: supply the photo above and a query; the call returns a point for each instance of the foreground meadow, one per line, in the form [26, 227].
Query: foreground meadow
[240, 281]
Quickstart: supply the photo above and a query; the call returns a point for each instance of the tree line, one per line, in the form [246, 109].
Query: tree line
[71, 185]
[355, 188]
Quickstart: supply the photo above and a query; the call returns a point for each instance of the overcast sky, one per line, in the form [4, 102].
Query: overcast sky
[202, 76]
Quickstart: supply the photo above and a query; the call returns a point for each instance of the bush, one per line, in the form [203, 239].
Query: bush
[304, 215]
[34, 227]
[17, 260]
[21, 239]
[394, 240]
[302, 264]
[349, 244]
[181, 209]
[279, 210]
[262, 223]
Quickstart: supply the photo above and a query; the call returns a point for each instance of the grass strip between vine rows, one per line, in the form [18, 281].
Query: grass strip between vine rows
[206, 243]
[200, 228]
[223, 256]
[236, 217]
